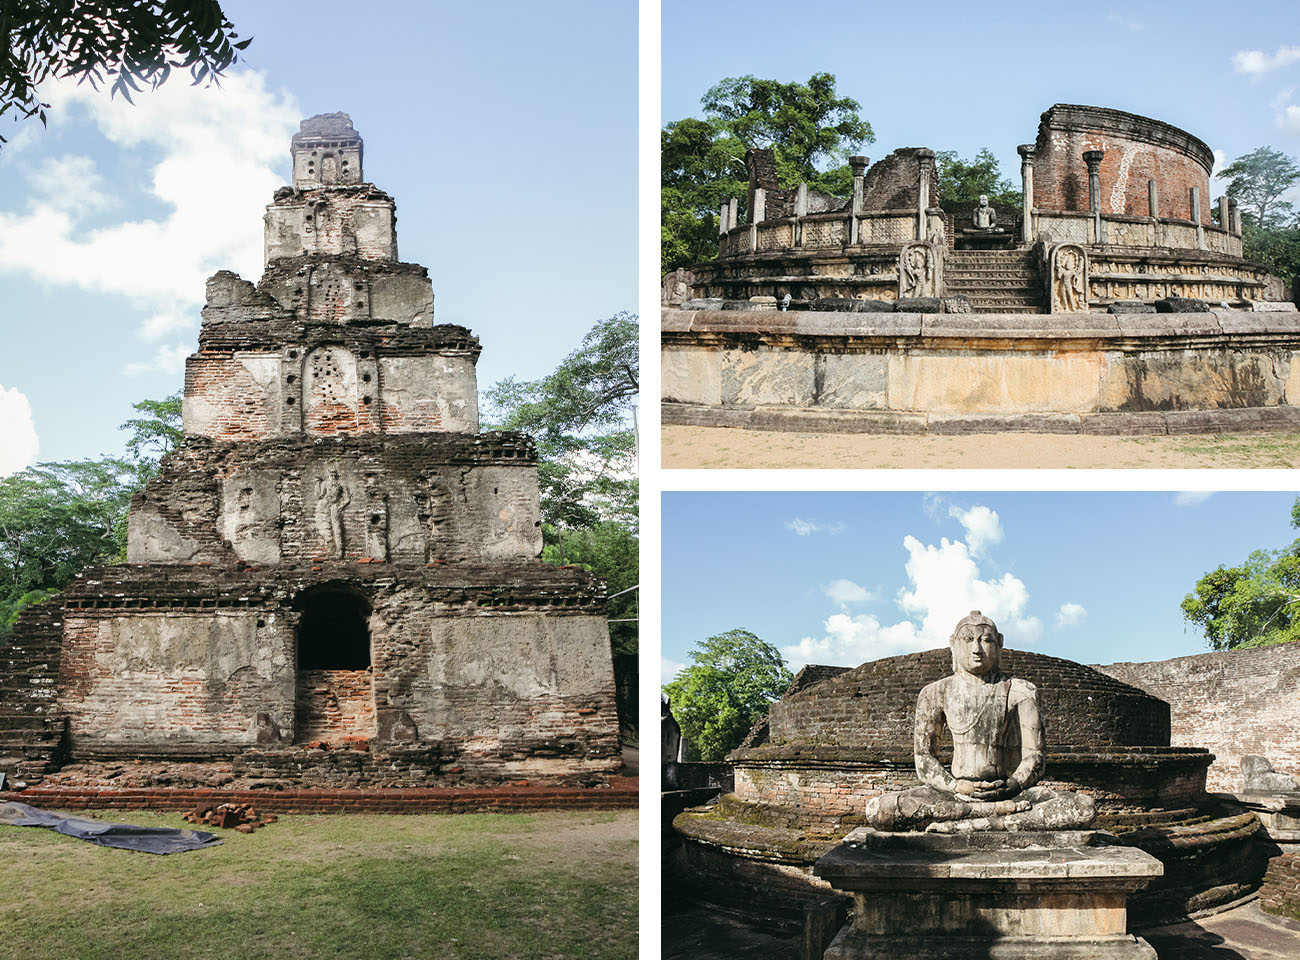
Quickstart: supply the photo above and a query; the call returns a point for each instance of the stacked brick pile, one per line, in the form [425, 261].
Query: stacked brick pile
[1281, 890]
[239, 816]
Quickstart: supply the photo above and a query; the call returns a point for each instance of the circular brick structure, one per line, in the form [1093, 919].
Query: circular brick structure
[1135, 150]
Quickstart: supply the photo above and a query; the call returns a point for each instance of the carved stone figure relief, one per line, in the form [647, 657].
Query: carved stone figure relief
[917, 270]
[1069, 278]
[332, 498]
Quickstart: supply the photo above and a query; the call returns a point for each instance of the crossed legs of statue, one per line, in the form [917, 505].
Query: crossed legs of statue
[934, 811]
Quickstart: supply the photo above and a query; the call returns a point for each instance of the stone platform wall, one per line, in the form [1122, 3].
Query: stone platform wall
[1069, 365]
[1233, 703]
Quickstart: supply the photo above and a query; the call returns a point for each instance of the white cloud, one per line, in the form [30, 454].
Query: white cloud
[1220, 161]
[167, 359]
[1070, 615]
[1190, 498]
[1125, 22]
[1289, 119]
[668, 669]
[71, 184]
[18, 440]
[218, 152]
[1256, 63]
[806, 528]
[946, 584]
[846, 593]
[983, 528]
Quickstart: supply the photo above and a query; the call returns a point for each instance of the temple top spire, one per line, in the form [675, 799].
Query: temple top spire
[326, 152]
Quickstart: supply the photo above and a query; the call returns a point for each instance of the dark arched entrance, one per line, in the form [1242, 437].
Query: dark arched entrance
[335, 699]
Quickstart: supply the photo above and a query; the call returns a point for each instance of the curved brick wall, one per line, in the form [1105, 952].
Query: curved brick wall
[1137, 149]
[872, 705]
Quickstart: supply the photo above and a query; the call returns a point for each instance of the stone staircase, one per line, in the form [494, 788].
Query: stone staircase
[996, 281]
[31, 733]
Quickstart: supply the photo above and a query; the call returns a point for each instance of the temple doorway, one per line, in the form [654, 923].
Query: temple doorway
[335, 700]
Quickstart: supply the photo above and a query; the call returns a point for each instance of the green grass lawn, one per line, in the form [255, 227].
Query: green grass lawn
[545, 885]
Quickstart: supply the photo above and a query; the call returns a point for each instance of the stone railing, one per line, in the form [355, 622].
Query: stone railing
[823, 232]
[1123, 230]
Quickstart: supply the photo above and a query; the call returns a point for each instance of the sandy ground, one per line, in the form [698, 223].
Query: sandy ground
[694, 447]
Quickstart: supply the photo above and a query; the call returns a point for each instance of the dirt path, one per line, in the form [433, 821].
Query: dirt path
[692, 447]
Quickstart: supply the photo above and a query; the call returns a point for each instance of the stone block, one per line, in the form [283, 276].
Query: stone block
[853, 381]
[1272, 306]
[692, 374]
[957, 304]
[767, 376]
[919, 304]
[856, 325]
[1181, 305]
[1131, 306]
[703, 303]
[994, 383]
[851, 305]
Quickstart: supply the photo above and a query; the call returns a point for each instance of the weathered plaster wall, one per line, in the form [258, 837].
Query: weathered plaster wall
[1137, 149]
[409, 499]
[358, 221]
[172, 678]
[1233, 702]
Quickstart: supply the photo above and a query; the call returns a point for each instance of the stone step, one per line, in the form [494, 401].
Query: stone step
[991, 272]
[1003, 308]
[998, 283]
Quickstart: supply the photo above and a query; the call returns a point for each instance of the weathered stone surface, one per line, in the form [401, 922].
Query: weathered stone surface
[1258, 776]
[853, 381]
[1181, 305]
[1130, 306]
[996, 383]
[852, 305]
[957, 304]
[692, 375]
[919, 305]
[763, 376]
[703, 303]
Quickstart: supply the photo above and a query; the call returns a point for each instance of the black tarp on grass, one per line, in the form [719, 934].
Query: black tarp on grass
[122, 835]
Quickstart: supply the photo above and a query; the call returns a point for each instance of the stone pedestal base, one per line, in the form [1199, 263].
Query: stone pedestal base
[992, 895]
[1280, 815]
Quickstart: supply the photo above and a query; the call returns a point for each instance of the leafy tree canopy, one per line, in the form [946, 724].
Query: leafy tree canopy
[1257, 180]
[611, 551]
[811, 130]
[732, 681]
[132, 43]
[56, 518]
[962, 181]
[579, 416]
[1254, 604]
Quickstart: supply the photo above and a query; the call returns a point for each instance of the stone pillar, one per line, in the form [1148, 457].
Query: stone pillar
[859, 167]
[722, 218]
[800, 211]
[925, 163]
[1153, 199]
[1225, 214]
[1196, 217]
[1026, 151]
[1235, 211]
[1093, 159]
[759, 213]
[733, 213]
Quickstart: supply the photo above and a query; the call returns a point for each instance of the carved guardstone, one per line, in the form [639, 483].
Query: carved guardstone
[1067, 278]
[920, 270]
[1000, 871]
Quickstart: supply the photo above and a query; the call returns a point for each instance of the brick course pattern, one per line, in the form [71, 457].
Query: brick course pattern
[1281, 890]
[1137, 149]
[1233, 702]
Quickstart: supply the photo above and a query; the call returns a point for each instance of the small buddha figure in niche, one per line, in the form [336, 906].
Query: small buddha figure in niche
[998, 750]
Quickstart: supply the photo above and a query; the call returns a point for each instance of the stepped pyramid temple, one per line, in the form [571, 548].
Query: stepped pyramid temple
[334, 580]
[1115, 300]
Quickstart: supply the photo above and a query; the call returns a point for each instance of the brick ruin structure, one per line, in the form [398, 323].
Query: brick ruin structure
[1116, 299]
[334, 580]
[840, 736]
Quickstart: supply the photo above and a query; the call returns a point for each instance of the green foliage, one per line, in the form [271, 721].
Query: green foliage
[1255, 604]
[611, 551]
[56, 518]
[156, 432]
[1258, 179]
[962, 181]
[732, 681]
[131, 43]
[578, 416]
[1276, 247]
[810, 129]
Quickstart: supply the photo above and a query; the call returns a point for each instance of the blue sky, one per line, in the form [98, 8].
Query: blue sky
[843, 578]
[506, 132]
[961, 76]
